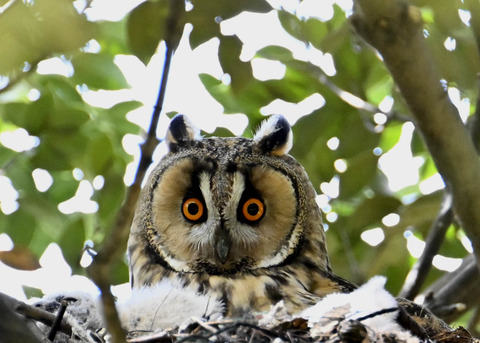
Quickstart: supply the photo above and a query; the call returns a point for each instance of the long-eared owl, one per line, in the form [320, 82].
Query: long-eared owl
[235, 218]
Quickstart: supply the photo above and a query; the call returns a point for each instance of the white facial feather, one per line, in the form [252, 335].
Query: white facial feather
[242, 233]
[204, 234]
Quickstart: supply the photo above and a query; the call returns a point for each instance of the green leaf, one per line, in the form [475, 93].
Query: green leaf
[64, 186]
[110, 197]
[207, 14]
[32, 292]
[146, 28]
[221, 92]
[204, 27]
[111, 37]
[100, 154]
[33, 31]
[420, 213]
[370, 212]
[229, 53]
[60, 87]
[60, 151]
[310, 31]
[97, 71]
[361, 171]
[20, 227]
[275, 52]
[390, 136]
[222, 132]
[291, 23]
[314, 32]
[72, 241]
[31, 117]
[6, 156]
[120, 273]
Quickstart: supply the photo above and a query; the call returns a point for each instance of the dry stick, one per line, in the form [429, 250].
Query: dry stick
[394, 28]
[114, 246]
[42, 316]
[58, 321]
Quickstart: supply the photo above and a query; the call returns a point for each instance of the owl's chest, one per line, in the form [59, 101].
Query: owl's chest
[250, 293]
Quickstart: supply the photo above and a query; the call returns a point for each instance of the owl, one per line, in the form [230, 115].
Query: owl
[235, 218]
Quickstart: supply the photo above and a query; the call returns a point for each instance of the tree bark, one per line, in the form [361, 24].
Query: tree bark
[394, 28]
[15, 327]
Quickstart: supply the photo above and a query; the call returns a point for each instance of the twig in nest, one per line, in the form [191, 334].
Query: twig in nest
[58, 321]
[42, 316]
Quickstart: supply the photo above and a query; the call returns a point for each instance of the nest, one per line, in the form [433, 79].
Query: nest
[294, 331]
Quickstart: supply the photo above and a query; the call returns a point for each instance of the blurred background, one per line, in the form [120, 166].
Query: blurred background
[79, 81]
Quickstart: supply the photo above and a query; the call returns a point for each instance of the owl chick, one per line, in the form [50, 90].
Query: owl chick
[234, 218]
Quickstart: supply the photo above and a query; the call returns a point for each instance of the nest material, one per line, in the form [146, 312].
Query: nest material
[294, 331]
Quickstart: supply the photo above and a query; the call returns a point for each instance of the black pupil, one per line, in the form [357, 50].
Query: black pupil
[193, 208]
[252, 209]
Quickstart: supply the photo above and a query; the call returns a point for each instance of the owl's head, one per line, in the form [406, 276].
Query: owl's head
[227, 205]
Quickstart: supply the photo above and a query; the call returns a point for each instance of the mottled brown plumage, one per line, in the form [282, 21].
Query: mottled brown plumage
[235, 218]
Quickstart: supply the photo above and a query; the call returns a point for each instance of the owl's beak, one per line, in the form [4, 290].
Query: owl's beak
[222, 247]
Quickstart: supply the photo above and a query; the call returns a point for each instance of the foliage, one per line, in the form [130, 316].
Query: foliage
[77, 142]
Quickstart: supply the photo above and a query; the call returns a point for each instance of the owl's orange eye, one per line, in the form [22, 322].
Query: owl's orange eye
[253, 209]
[193, 209]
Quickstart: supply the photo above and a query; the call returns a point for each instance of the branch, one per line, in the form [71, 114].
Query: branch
[454, 292]
[358, 102]
[115, 242]
[419, 272]
[8, 5]
[14, 327]
[474, 123]
[394, 28]
[474, 8]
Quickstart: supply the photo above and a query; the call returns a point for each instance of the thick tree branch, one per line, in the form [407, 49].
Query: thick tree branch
[394, 28]
[115, 242]
[15, 327]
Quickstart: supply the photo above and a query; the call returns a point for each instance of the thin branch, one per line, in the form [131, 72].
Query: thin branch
[418, 274]
[394, 28]
[474, 123]
[115, 242]
[455, 291]
[8, 5]
[19, 77]
[358, 102]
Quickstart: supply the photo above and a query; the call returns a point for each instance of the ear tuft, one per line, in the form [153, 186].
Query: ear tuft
[181, 132]
[274, 136]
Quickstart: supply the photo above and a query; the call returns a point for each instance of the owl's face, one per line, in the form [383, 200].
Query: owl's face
[225, 205]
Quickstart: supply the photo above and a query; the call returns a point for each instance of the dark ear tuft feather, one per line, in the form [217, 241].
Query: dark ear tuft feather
[181, 132]
[274, 136]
